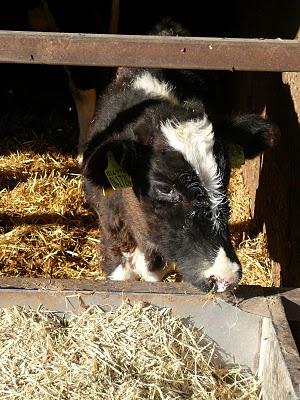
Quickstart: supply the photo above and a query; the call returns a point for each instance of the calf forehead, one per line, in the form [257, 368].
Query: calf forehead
[193, 140]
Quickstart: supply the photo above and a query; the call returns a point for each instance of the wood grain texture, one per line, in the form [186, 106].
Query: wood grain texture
[149, 51]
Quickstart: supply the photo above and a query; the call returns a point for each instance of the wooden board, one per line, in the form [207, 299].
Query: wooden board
[149, 51]
[274, 179]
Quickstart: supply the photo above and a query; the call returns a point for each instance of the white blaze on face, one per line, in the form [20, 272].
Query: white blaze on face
[194, 139]
[154, 87]
[224, 271]
[136, 266]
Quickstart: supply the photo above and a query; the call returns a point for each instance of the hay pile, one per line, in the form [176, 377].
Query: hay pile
[46, 228]
[251, 250]
[133, 352]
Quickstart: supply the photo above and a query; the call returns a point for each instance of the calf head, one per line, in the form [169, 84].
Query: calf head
[179, 165]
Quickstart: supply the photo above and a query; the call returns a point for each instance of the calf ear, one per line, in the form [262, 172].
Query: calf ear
[112, 165]
[254, 133]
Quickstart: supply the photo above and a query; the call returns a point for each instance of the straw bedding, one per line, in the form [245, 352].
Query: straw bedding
[252, 250]
[46, 228]
[133, 352]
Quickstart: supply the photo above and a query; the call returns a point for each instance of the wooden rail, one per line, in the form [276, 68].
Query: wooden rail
[149, 51]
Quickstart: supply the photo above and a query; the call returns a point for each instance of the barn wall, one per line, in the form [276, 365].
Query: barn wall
[273, 179]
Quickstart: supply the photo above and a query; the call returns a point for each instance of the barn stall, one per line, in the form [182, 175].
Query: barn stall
[47, 229]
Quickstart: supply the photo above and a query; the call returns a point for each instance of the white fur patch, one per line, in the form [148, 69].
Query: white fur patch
[80, 159]
[195, 140]
[141, 267]
[223, 268]
[154, 87]
[136, 266]
[122, 273]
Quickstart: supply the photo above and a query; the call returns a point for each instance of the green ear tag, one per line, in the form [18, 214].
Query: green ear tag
[117, 176]
[236, 155]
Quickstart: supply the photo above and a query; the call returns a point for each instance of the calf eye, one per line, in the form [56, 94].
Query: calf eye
[164, 189]
[165, 192]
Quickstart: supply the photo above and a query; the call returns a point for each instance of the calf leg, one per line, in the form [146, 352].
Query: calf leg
[122, 259]
[133, 260]
[137, 264]
[116, 244]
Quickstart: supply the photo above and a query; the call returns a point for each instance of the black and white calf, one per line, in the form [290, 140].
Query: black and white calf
[176, 211]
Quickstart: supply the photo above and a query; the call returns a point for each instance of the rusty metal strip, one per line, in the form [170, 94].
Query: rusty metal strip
[149, 51]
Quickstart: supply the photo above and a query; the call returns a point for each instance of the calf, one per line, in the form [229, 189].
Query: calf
[171, 208]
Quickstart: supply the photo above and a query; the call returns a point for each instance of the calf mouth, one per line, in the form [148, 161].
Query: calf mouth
[220, 285]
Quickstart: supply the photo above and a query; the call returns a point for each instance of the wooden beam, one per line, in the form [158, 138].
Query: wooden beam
[149, 51]
[243, 292]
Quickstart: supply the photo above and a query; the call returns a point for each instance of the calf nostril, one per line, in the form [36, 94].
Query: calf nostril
[219, 284]
[213, 282]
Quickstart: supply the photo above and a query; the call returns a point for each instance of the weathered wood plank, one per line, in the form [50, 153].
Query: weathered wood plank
[149, 51]
[242, 293]
[279, 357]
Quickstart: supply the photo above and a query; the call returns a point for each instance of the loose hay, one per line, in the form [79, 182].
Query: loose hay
[133, 352]
[256, 263]
[46, 228]
[252, 251]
